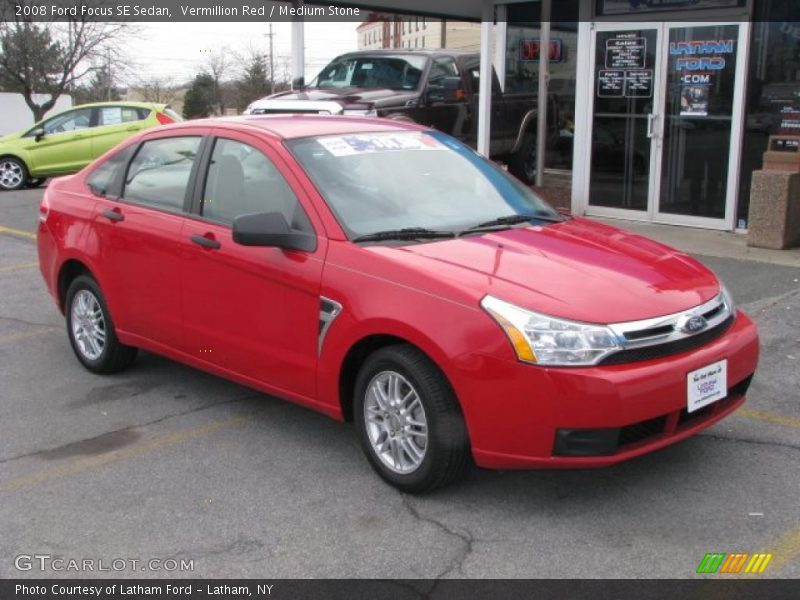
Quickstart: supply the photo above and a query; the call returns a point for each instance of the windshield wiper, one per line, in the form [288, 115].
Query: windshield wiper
[408, 233]
[511, 220]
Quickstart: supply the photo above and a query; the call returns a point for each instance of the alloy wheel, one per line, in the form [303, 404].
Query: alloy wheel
[88, 325]
[11, 174]
[396, 424]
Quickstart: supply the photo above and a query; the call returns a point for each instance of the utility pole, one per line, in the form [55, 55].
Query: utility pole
[108, 76]
[270, 35]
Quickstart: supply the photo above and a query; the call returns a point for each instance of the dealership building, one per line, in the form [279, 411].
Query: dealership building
[658, 110]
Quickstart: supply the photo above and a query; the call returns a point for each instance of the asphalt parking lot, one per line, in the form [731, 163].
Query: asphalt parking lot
[166, 462]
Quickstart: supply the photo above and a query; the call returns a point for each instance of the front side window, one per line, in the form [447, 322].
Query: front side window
[160, 173]
[69, 121]
[396, 180]
[242, 181]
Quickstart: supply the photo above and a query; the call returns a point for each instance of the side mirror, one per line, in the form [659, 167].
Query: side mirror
[271, 230]
[298, 83]
[448, 89]
[38, 133]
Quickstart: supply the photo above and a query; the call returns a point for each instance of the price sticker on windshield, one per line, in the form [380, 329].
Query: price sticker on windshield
[348, 145]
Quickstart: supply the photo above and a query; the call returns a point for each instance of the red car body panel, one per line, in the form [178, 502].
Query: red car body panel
[252, 314]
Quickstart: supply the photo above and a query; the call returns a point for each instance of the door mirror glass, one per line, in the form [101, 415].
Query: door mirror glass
[298, 83]
[271, 230]
[445, 89]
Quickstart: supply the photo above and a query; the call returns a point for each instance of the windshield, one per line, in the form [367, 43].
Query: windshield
[385, 181]
[380, 72]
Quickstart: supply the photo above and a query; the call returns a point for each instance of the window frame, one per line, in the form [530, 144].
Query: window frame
[195, 206]
[93, 116]
[190, 184]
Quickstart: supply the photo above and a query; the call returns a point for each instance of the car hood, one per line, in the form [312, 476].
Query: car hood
[577, 269]
[11, 137]
[348, 95]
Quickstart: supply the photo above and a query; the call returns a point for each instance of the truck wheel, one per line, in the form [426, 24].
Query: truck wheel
[522, 163]
[408, 420]
[13, 173]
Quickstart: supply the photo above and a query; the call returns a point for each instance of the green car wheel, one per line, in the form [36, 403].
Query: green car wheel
[13, 174]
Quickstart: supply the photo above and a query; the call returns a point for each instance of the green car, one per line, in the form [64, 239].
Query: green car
[67, 142]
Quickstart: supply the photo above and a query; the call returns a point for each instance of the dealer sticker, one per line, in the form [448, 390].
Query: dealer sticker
[707, 385]
[348, 145]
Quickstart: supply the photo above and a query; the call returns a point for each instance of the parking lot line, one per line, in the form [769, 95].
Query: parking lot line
[768, 417]
[786, 550]
[13, 337]
[19, 267]
[79, 466]
[18, 232]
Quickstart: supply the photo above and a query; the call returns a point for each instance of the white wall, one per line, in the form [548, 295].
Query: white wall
[15, 114]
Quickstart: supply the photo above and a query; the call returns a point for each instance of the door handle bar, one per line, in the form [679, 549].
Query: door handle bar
[113, 215]
[205, 242]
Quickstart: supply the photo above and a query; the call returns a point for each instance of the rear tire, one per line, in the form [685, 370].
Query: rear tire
[91, 330]
[522, 163]
[409, 421]
[13, 173]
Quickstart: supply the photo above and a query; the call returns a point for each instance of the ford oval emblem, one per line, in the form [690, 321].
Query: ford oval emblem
[693, 324]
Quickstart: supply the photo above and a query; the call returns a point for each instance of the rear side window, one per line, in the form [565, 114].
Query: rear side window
[105, 177]
[241, 181]
[116, 115]
[159, 174]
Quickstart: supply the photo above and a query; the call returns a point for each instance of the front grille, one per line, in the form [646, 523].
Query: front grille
[641, 431]
[610, 441]
[668, 348]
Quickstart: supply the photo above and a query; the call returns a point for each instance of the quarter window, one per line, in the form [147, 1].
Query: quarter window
[241, 181]
[105, 175]
[159, 174]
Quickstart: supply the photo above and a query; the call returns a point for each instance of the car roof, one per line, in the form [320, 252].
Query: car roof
[117, 103]
[302, 125]
[414, 51]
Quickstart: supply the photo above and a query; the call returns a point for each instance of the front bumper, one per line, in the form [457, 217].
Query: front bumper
[514, 412]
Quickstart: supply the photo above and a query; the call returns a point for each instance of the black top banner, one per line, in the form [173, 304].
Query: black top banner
[358, 10]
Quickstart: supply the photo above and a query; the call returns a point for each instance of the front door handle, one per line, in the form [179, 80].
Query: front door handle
[113, 214]
[205, 242]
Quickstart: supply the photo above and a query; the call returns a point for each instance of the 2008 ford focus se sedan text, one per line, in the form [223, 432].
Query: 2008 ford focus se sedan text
[386, 274]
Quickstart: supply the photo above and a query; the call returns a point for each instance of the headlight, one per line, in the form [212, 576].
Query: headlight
[549, 341]
[728, 298]
[360, 112]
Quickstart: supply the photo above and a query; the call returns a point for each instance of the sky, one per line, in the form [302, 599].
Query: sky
[178, 50]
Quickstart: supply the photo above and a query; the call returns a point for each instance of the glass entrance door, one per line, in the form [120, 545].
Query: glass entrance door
[666, 122]
[626, 61]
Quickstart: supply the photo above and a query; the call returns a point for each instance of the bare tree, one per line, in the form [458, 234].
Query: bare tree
[161, 90]
[217, 65]
[49, 58]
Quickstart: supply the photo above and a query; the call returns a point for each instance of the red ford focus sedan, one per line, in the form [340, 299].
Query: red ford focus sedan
[387, 274]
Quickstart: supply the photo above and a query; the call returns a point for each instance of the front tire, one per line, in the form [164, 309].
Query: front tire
[34, 182]
[13, 173]
[91, 330]
[408, 420]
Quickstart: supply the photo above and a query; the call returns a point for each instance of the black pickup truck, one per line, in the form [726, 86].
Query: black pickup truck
[437, 88]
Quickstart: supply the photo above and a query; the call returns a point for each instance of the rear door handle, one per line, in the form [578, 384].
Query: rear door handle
[113, 214]
[205, 242]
